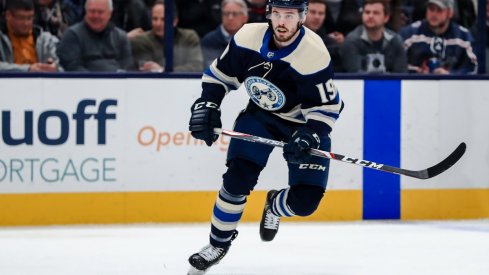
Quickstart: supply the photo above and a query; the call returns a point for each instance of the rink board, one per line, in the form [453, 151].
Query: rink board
[142, 207]
[118, 151]
[154, 207]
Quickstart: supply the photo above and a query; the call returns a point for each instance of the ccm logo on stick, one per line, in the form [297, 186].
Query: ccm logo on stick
[81, 114]
[365, 163]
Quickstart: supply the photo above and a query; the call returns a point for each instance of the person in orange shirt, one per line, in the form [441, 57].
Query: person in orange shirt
[23, 46]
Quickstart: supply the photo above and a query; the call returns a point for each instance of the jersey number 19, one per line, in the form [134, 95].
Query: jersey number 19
[327, 91]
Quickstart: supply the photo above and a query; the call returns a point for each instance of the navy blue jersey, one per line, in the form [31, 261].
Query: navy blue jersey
[454, 48]
[294, 83]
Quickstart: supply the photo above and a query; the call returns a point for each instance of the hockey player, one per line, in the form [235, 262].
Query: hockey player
[287, 72]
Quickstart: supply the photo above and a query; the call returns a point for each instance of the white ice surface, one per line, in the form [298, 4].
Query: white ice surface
[450, 247]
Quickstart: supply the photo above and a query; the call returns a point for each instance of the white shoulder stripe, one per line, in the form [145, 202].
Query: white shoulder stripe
[250, 36]
[225, 78]
[310, 56]
[208, 79]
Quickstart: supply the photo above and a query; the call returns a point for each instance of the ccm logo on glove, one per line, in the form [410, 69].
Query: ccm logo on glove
[205, 104]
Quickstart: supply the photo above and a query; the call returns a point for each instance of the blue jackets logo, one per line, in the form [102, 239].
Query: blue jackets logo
[80, 116]
[264, 93]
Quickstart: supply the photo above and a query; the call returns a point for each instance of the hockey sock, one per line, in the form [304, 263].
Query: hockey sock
[304, 199]
[227, 212]
[279, 205]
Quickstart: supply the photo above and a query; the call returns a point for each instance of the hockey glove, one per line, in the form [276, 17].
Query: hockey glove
[297, 149]
[205, 117]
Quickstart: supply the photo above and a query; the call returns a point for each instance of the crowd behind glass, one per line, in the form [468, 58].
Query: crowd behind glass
[362, 36]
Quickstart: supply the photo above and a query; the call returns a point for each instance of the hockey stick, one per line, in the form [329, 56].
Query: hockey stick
[421, 174]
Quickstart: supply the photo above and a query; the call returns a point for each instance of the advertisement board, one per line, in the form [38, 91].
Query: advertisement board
[126, 143]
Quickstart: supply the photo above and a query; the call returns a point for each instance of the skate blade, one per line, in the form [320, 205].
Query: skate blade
[195, 271]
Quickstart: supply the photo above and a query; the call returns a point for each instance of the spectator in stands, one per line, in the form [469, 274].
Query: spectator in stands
[148, 48]
[131, 14]
[316, 14]
[342, 17]
[437, 44]
[95, 44]
[24, 47]
[257, 10]
[149, 3]
[202, 16]
[49, 16]
[371, 47]
[464, 11]
[315, 18]
[395, 20]
[74, 11]
[234, 14]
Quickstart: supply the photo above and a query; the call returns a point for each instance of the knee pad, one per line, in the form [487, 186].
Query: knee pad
[241, 176]
[304, 199]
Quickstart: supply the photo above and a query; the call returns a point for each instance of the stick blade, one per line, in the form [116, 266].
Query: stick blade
[447, 162]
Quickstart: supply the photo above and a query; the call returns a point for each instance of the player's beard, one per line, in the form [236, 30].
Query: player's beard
[283, 36]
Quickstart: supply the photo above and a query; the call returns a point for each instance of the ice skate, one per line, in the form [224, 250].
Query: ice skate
[269, 222]
[208, 256]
